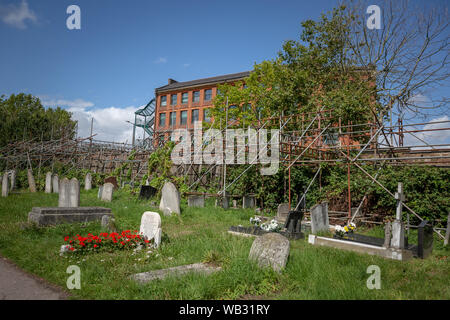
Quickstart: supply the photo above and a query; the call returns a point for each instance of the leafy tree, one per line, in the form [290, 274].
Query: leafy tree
[22, 116]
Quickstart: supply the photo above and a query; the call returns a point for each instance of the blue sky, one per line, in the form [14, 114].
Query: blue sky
[125, 49]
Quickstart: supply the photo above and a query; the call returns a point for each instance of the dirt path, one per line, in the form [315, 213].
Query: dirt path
[16, 284]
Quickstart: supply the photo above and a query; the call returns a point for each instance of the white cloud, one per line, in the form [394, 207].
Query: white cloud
[430, 137]
[160, 60]
[74, 104]
[16, 15]
[109, 123]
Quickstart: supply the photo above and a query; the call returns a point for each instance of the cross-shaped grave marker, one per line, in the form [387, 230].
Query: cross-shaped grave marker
[398, 229]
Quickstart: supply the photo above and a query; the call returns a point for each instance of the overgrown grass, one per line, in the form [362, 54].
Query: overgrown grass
[200, 234]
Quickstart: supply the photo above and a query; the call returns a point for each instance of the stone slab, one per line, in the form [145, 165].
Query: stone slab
[56, 215]
[270, 250]
[175, 271]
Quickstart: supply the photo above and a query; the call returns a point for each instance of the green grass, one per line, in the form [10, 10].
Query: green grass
[200, 234]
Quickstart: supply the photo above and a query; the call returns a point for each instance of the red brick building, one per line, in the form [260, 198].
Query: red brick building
[180, 104]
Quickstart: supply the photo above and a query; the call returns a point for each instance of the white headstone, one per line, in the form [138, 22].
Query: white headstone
[64, 193]
[55, 183]
[151, 227]
[88, 182]
[12, 176]
[107, 192]
[74, 193]
[170, 199]
[5, 185]
[48, 182]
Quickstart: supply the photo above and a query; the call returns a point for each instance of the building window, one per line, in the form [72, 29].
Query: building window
[184, 98]
[173, 119]
[194, 115]
[163, 101]
[173, 100]
[162, 119]
[183, 117]
[206, 115]
[196, 96]
[208, 95]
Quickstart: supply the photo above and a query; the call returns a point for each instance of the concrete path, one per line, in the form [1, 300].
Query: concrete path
[16, 284]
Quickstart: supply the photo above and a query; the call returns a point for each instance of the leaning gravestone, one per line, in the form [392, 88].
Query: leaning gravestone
[107, 192]
[64, 193]
[170, 199]
[48, 182]
[151, 227]
[447, 232]
[55, 183]
[108, 222]
[74, 193]
[319, 218]
[112, 180]
[5, 185]
[31, 182]
[282, 211]
[270, 249]
[88, 182]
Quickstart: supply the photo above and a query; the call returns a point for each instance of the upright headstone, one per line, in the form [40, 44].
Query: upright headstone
[225, 201]
[270, 249]
[74, 193]
[151, 227]
[282, 211]
[112, 180]
[5, 185]
[447, 232]
[196, 200]
[146, 192]
[64, 193]
[108, 222]
[319, 218]
[107, 192]
[248, 201]
[170, 199]
[234, 203]
[100, 192]
[31, 182]
[48, 182]
[398, 228]
[12, 177]
[387, 235]
[424, 239]
[88, 181]
[55, 183]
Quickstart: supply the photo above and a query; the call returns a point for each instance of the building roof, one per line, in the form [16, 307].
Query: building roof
[173, 85]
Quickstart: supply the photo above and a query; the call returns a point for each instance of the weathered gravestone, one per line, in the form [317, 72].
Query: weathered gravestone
[170, 199]
[234, 203]
[88, 181]
[293, 222]
[31, 182]
[48, 182]
[146, 192]
[112, 180]
[398, 227]
[319, 218]
[107, 192]
[55, 183]
[225, 200]
[100, 192]
[282, 211]
[151, 227]
[424, 239]
[5, 185]
[64, 193]
[74, 193]
[12, 176]
[108, 222]
[196, 200]
[248, 201]
[270, 249]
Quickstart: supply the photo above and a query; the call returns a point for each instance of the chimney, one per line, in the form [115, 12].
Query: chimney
[172, 81]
